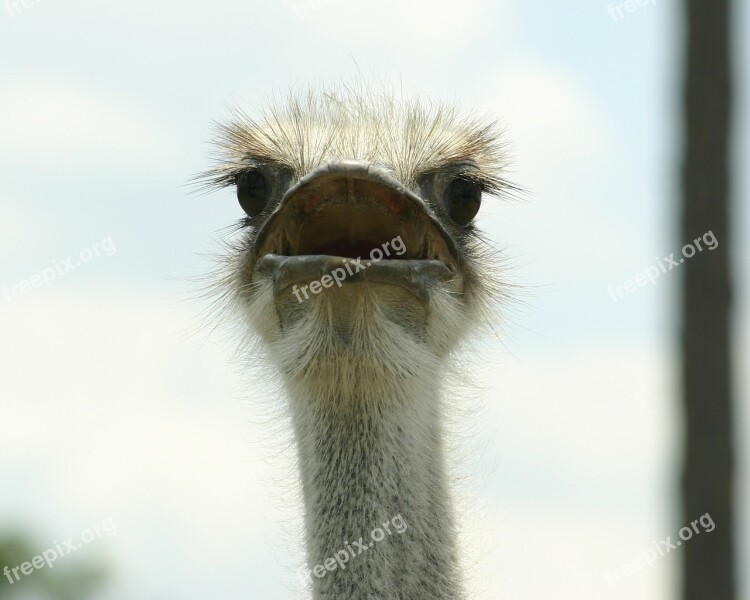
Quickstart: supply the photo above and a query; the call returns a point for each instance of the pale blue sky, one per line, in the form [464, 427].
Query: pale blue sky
[112, 408]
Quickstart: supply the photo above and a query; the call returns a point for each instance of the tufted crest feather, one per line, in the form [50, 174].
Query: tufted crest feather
[407, 135]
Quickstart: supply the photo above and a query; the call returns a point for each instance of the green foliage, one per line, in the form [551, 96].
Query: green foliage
[73, 578]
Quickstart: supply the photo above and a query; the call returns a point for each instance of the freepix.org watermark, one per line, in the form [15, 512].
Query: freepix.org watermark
[659, 549]
[618, 11]
[353, 549]
[663, 265]
[49, 557]
[14, 7]
[58, 268]
[350, 267]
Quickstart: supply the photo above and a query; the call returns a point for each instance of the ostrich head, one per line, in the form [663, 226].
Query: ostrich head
[360, 270]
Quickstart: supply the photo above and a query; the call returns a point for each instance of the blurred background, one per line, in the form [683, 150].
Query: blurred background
[125, 428]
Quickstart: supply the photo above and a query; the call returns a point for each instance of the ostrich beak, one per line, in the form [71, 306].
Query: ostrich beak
[347, 216]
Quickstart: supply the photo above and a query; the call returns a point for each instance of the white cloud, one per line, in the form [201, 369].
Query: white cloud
[564, 151]
[13, 223]
[560, 552]
[580, 451]
[418, 26]
[556, 122]
[50, 125]
[617, 401]
[108, 402]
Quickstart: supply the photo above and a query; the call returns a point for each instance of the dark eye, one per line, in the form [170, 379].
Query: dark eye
[252, 192]
[462, 200]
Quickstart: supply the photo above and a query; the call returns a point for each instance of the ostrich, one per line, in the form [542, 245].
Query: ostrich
[358, 275]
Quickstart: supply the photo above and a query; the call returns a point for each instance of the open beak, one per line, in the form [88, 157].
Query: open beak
[348, 210]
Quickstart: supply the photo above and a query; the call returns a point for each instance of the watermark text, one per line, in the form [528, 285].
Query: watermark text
[58, 268]
[663, 265]
[618, 11]
[353, 549]
[660, 548]
[60, 549]
[350, 267]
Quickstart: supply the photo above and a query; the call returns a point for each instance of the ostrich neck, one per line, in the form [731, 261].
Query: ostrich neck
[371, 457]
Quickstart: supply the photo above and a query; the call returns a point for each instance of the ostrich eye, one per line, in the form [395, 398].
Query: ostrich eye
[252, 192]
[462, 200]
